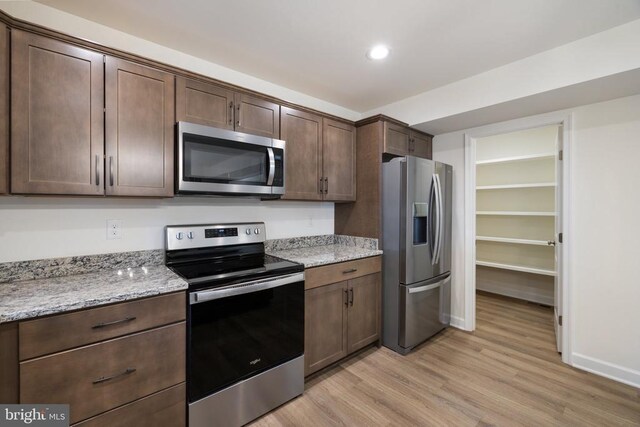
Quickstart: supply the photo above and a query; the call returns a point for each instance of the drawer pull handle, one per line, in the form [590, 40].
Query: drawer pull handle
[115, 322]
[113, 377]
[351, 270]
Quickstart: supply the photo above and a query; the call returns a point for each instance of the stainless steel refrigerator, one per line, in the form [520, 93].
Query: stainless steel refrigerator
[416, 240]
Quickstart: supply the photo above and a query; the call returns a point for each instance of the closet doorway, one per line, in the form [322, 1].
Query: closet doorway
[517, 213]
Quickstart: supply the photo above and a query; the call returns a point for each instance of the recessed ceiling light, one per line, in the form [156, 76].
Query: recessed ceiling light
[378, 52]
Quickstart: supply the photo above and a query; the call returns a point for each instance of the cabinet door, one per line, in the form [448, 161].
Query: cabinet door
[396, 139]
[302, 133]
[420, 145]
[257, 116]
[139, 130]
[203, 103]
[325, 326]
[339, 160]
[364, 311]
[57, 117]
[4, 109]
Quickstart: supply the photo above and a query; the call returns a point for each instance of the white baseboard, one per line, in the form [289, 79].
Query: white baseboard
[606, 369]
[458, 322]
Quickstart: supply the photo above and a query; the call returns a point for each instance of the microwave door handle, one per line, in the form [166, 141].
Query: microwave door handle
[272, 166]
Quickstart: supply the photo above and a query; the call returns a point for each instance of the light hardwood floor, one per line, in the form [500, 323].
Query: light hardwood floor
[505, 373]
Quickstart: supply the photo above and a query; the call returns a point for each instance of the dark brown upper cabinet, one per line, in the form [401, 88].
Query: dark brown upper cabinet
[339, 160]
[421, 144]
[257, 116]
[302, 133]
[204, 104]
[57, 136]
[401, 141]
[320, 162]
[139, 120]
[211, 105]
[65, 100]
[4, 109]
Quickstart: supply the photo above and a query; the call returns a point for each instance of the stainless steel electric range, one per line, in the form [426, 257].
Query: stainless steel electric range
[245, 320]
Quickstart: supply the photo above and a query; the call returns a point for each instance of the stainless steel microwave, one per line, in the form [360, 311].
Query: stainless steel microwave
[223, 162]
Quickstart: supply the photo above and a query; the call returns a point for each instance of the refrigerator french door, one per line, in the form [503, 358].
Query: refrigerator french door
[416, 239]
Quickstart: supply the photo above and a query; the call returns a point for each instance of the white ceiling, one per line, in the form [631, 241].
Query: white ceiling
[318, 47]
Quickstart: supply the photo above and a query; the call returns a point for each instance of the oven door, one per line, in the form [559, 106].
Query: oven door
[241, 330]
[220, 161]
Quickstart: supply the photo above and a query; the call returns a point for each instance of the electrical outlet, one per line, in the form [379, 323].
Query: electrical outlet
[114, 229]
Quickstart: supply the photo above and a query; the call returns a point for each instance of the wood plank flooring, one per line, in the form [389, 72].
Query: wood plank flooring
[506, 373]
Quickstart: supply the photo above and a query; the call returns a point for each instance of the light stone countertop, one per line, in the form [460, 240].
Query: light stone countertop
[314, 256]
[40, 297]
[30, 289]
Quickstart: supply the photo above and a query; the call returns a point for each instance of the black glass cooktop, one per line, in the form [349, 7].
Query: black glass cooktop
[207, 268]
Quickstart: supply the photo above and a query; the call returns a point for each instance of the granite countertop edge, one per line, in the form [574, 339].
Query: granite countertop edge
[316, 256]
[31, 299]
[53, 292]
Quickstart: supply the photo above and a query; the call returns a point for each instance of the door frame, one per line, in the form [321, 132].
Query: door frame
[470, 137]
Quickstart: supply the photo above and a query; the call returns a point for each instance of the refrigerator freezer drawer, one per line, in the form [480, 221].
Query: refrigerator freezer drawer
[422, 311]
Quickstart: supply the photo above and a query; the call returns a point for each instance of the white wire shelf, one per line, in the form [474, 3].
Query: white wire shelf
[519, 268]
[512, 240]
[517, 158]
[511, 186]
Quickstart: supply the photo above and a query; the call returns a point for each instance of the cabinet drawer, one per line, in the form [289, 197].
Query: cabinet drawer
[332, 273]
[164, 409]
[51, 334]
[99, 377]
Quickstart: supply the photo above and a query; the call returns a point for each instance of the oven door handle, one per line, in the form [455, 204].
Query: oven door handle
[244, 288]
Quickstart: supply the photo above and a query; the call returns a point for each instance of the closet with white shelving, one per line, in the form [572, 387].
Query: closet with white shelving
[515, 214]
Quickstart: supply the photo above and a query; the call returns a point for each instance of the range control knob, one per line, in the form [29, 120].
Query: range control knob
[248, 231]
[180, 235]
[190, 235]
[256, 231]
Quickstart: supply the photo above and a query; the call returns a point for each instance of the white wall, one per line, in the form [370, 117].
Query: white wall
[39, 227]
[604, 235]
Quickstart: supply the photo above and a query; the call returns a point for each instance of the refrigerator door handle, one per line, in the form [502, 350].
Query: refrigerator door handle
[430, 232]
[428, 287]
[440, 207]
[437, 243]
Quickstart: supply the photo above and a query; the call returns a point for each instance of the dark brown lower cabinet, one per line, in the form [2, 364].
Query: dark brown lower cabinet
[340, 318]
[163, 409]
[124, 364]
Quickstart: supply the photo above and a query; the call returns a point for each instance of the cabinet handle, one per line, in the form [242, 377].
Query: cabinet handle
[346, 298]
[326, 185]
[97, 171]
[113, 377]
[239, 115]
[230, 113]
[351, 270]
[111, 171]
[115, 322]
[410, 145]
[321, 185]
[351, 297]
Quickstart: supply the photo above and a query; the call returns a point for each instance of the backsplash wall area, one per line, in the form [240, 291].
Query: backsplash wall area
[49, 227]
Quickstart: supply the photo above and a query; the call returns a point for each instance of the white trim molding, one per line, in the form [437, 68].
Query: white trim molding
[457, 322]
[606, 369]
[560, 118]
